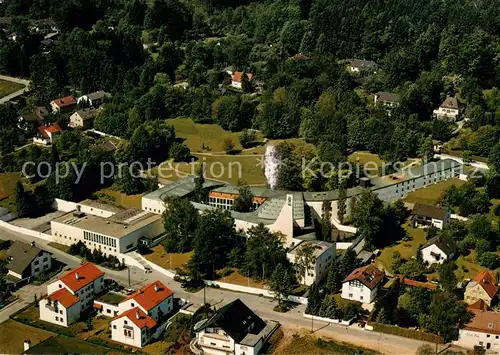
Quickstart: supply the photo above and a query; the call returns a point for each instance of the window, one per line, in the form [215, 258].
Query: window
[114, 326]
[37, 262]
[57, 319]
[60, 286]
[360, 297]
[61, 319]
[45, 259]
[350, 295]
[37, 269]
[487, 335]
[128, 333]
[60, 311]
[125, 322]
[132, 304]
[108, 310]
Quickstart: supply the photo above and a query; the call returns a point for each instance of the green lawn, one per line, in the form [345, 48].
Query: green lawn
[8, 87]
[406, 249]
[432, 193]
[8, 183]
[61, 247]
[196, 134]
[120, 199]
[13, 334]
[308, 344]
[467, 267]
[363, 158]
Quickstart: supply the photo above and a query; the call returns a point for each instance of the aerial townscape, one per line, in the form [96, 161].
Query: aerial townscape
[250, 177]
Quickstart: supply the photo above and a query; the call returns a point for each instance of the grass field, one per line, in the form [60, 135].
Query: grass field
[307, 344]
[13, 334]
[75, 346]
[8, 183]
[432, 193]
[8, 87]
[168, 261]
[239, 279]
[61, 247]
[406, 249]
[196, 134]
[467, 266]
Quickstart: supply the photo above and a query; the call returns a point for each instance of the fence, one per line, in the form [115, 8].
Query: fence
[406, 332]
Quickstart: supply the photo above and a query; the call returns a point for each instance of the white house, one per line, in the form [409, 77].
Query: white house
[483, 330]
[428, 215]
[83, 118]
[362, 284]
[360, 65]
[27, 260]
[233, 329]
[94, 99]
[75, 290]
[47, 134]
[141, 314]
[133, 327]
[64, 104]
[322, 252]
[448, 110]
[387, 99]
[438, 250]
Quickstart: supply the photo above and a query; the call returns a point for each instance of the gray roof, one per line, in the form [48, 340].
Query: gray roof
[450, 102]
[21, 254]
[98, 95]
[179, 188]
[388, 96]
[88, 113]
[3, 211]
[447, 245]
[364, 64]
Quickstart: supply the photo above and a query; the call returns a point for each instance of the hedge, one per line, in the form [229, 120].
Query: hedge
[406, 332]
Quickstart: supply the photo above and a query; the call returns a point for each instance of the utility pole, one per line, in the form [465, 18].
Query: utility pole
[312, 323]
[204, 293]
[128, 269]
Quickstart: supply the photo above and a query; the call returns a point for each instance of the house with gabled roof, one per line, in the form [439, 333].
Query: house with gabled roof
[141, 315]
[27, 260]
[63, 104]
[236, 79]
[233, 329]
[438, 249]
[449, 110]
[47, 134]
[483, 330]
[362, 284]
[361, 65]
[430, 215]
[483, 287]
[387, 99]
[60, 305]
[94, 99]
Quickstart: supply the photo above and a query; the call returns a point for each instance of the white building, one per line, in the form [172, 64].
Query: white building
[449, 110]
[236, 79]
[72, 294]
[47, 134]
[64, 104]
[94, 99]
[360, 66]
[27, 260]
[483, 330]
[83, 118]
[362, 284]
[429, 215]
[114, 235]
[233, 329]
[387, 99]
[438, 250]
[323, 255]
[142, 314]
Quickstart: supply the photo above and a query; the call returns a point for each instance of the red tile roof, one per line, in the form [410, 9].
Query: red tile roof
[487, 282]
[237, 76]
[138, 317]
[150, 295]
[480, 305]
[64, 297]
[52, 128]
[484, 321]
[65, 101]
[427, 285]
[81, 276]
[368, 275]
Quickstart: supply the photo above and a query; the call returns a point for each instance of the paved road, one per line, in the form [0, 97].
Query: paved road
[24, 82]
[293, 319]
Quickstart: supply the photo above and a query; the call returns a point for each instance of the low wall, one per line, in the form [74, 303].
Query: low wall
[328, 320]
[343, 245]
[460, 218]
[406, 332]
[130, 261]
[342, 227]
[25, 231]
[63, 205]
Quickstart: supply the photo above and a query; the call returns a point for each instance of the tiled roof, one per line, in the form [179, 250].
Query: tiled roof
[138, 317]
[388, 96]
[427, 285]
[450, 102]
[368, 275]
[447, 245]
[484, 321]
[150, 295]
[431, 211]
[21, 254]
[237, 76]
[64, 297]
[487, 282]
[81, 276]
[65, 101]
[364, 64]
[52, 128]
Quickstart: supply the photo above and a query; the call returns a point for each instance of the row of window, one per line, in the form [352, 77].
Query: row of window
[98, 238]
[59, 319]
[93, 245]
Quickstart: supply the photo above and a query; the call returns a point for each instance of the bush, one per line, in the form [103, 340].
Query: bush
[180, 152]
[226, 271]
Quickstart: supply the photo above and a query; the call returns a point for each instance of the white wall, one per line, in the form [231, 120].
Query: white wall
[108, 310]
[25, 231]
[118, 334]
[129, 304]
[166, 307]
[42, 263]
[68, 206]
[469, 339]
[64, 316]
[354, 293]
[152, 205]
[218, 343]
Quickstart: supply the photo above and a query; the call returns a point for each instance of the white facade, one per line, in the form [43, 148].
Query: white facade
[164, 307]
[41, 263]
[215, 341]
[320, 268]
[433, 255]
[447, 114]
[106, 309]
[56, 313]
[470, 338]
[85, 294]
[125, 331]
[355, 290]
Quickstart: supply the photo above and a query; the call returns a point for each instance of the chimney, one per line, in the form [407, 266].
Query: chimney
[156, 288]
[27, 345]
[137, 315]
[33, 243]
[77, 276]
